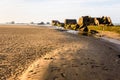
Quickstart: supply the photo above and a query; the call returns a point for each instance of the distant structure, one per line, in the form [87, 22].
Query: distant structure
[105, 21]
[83, 22]
[41, 23]
[31, 22]
[12, 22]
[88, 20]
[47, 22]
[55, 22]
[70, 24]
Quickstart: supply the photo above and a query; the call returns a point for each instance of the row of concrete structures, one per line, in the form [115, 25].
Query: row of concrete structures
[83, 22]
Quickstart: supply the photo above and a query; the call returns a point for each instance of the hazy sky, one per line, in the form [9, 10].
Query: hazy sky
[46, 10]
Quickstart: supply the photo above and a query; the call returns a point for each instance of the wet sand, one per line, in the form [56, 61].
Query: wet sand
[40, 53]
[108, 34]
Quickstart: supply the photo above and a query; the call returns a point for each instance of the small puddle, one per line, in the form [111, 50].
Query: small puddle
[72, 31]
[59, 28]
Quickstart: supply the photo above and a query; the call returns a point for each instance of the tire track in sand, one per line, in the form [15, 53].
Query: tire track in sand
[37, 70]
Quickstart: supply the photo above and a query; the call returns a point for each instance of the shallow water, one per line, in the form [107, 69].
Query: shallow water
[77, 32]
[111, 40]
[72, 31]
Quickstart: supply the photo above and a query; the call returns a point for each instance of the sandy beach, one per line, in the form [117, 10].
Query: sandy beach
[40, 53]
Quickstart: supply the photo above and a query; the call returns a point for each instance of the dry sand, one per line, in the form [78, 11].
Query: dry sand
[40, 53]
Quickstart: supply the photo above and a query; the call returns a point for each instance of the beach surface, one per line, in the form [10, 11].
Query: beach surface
[29, 52]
